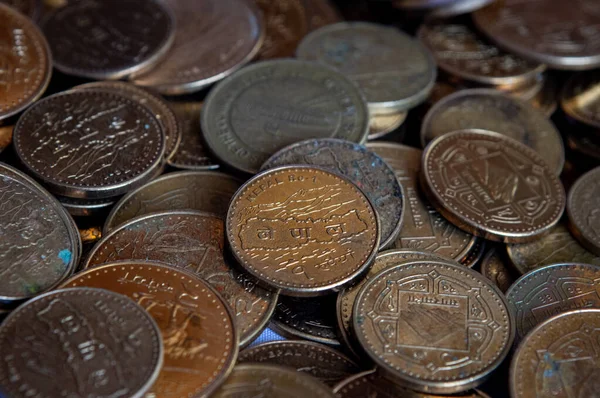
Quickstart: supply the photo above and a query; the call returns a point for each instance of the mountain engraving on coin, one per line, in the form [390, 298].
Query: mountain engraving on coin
[583, 207]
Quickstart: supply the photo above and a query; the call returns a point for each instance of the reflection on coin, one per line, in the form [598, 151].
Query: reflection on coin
[559, 358]
[394, 71]
[583, 207]
[285, 25]
[199, 337]
[273, 104]
[85, 207]
[383, 124]
[106, 345]
[580, 98]
[493, 267]
[320, 13]
[438, 327]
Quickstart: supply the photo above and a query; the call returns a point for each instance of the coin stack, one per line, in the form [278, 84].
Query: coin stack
[195, 200]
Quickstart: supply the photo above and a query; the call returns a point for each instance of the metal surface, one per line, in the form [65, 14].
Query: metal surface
[583, 208]
[381, 125]
[494, 267]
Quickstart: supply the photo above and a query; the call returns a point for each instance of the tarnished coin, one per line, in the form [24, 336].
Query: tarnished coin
[394, 71]
[583, 207]
[492, 186]
[364, 168]
[197, 327]
[79, 343]
[213, 38]
[85, 207]
[438, 327]
[494, 267]
[89, 144]
[383, 124]
[193, 241]
[580, 98]
[273, 104]
[559, 358]
[320, 13]
[326, 364]
[25, 62]
[494, 111]
[285, 25]
[551, 290]
[302, 229]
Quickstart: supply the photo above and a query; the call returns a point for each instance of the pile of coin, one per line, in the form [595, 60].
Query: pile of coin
[195, 200]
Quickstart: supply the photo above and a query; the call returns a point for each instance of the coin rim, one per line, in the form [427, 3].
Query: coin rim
[574, 219]
[371, 136]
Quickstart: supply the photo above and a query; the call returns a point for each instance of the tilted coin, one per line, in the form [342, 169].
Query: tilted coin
[273, 104]
[285, 25]
[438, 327]
[580, 98]
[224, 35]
[79, 343]
[492, 186]
[383, 124]
[394, 71]
[302, 229]
[494, 111]
[583, 207]
[199, 337]
[494, 267]
[320, 13]
[85, 207]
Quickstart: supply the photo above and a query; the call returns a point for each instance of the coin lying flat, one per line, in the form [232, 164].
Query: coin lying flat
[438, 327]
[394, 71]
[197, 327]
[107, 346]
[583, 207]
[381, 125]
[285, 25]
[580, 99]
[494, 267]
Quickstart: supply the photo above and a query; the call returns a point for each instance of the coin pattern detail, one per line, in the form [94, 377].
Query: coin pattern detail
[495, 269]
[285, 25]
[583, 207]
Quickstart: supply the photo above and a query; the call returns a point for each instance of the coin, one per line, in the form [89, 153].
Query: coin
[495, 111]
[26, 62]
[302, 229]
[197, 327]
[381, 125]
[326, 364]
[583, 207]
[89, 144]
[394, 71]
[580, 99]
[364, 168]
[285, 25]
[193, 241]
[492, 186]
[272, 104]
[493, 267]
[85, 207]
[476, 253]
[562, 35]
[559, 358]
[106, 345]
[438, 327]
[31, 8]
[224, 36]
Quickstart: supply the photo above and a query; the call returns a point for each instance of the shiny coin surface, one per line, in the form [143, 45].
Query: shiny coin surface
[302, 229]
[224, 35]
[580, 98]
[498, 112]
[583, 207]
[559, 358]
[438, 327]
[364, 168]
[494, 267]
[393, 70]
[492, 186]
[285, 25]
[197, 327]
[25, 62]
[85, 207]
[383, 124]
[106, 345]
[273, 104]
[89, 144]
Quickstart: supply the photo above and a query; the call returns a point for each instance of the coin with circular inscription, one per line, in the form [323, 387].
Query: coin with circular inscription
[583, 208]
[559, 358]
[25, 62]
[494, 267]
[492, 186]
[79, 343]
[285, 25]
[580, 98]
[363, 167]
[198, 332]
[383, 124]
[86, 207]
[438, 327]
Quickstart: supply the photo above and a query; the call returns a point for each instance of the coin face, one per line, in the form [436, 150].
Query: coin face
[580, 99]
[285, 25]
[492, 186]
[364, 168]
[107, 346]
[272, 104]
[583, 207]
[494, 267]
[558, 358]
[383, 124]
[494, 111]
[25, 62]
[438, 327]
[197, 327]
[393, 70]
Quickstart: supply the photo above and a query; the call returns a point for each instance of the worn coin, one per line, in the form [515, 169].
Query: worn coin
[106, 345]
[272, 104]
[583, 207]
[25, 62]
[197, 327]
[494, 111]
[494, 267]
[383, 124]
[320, 13]
[580, 98]
[285, 25]
[438, 327]
[85, 207]
[394, 71]
[559, 358]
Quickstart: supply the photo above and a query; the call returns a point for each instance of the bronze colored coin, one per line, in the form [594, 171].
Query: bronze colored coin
[6, 133]
[438, 327]
[381, 125]
[302, 229]
[285, 25]
[79, 343]
[559, 358]
[583, 207]
[193, 241]
[580, 98]
[494, 267]
[199, 336]
[25, 62]
[492, 186]
[326, 364]
[320, 13]
[85, 207]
